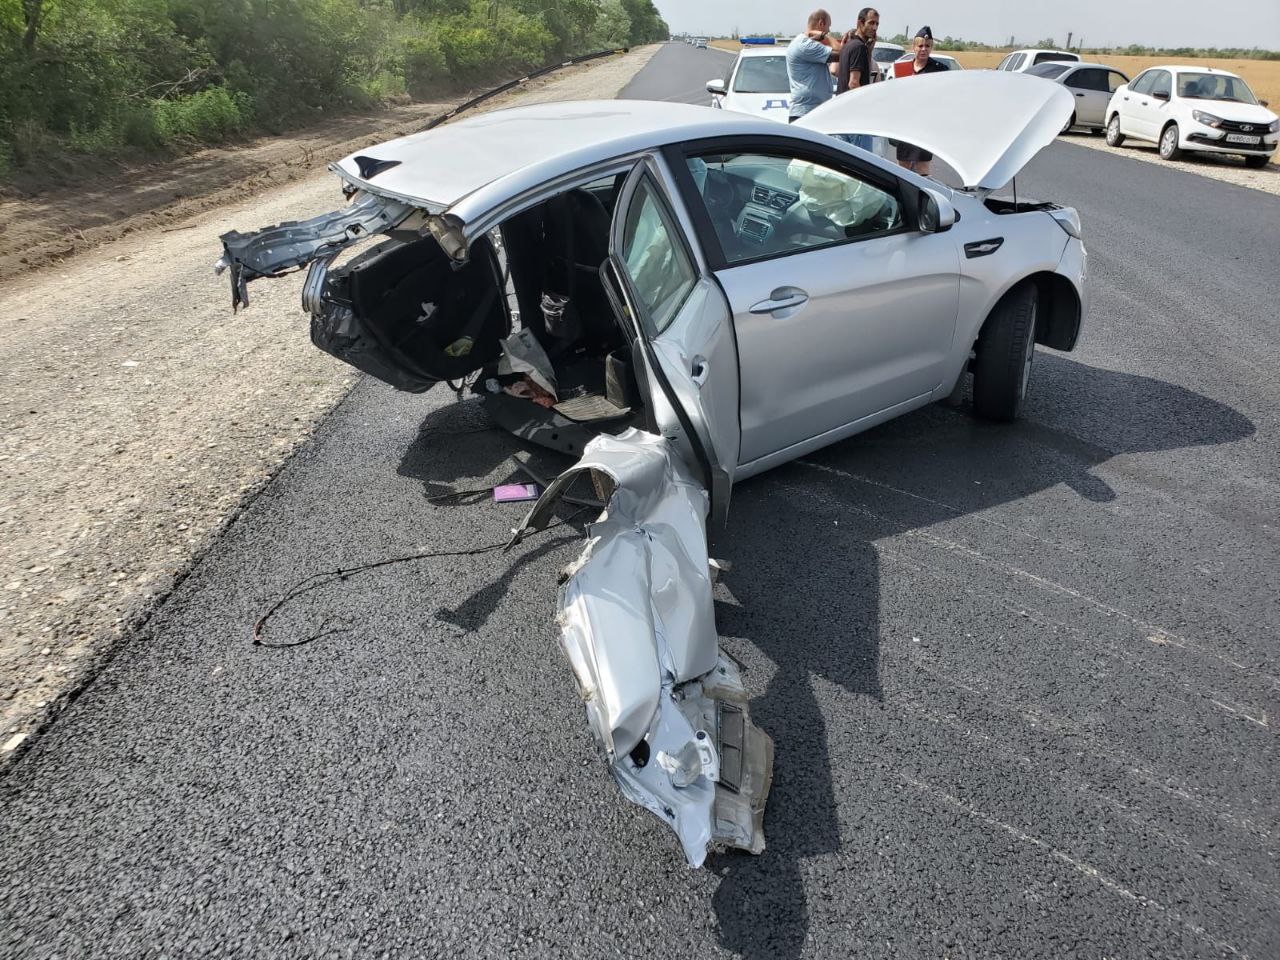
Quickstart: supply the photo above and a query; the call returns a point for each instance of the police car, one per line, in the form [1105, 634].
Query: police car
[757, 85]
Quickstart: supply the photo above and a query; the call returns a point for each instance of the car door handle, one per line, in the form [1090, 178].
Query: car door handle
[1079, 94]
[784, 298]
[983, 248]
[699, 371]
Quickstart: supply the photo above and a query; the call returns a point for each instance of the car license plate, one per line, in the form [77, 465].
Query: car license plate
[1244, 139]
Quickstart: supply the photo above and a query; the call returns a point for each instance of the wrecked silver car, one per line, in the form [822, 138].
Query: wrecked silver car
[682, 298]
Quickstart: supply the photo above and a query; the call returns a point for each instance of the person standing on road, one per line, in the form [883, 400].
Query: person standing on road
[808, 57]
[912, 157]
[857, 68]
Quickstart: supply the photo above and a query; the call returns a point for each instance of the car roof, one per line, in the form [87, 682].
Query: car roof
[527, 146]
[1184, 68]
[1065, 53]
[759, 51]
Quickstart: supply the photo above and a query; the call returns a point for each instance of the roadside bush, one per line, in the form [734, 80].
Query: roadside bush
[209, 116]
[425, 70]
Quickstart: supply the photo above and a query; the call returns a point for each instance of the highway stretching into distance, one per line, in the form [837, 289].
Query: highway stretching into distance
[1023, 680]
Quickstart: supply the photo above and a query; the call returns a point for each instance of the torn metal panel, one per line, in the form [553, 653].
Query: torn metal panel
[638, 625]
[289, 246]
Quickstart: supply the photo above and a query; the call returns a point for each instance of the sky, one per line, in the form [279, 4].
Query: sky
[1168, 23]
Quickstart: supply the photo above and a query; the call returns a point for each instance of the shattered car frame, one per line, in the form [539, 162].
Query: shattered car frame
[700, 296]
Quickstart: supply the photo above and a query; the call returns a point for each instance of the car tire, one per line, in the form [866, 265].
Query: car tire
[1114, 136]
[1169, 143]
[1005, 351]
[1070, 123]
[1257, 163]
[1096, 131]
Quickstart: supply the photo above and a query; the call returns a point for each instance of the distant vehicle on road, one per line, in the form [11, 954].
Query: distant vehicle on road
[1020, 61]
[1193, 109]
[757, 85]
[1091, 83]
[700, 43]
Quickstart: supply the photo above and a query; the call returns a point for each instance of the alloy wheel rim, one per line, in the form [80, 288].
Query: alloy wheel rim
[1028, 355]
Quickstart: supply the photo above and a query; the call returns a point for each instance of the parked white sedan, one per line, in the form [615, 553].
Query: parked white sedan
[1196, 109]
[1092, 84]
[703, 295]
[757, 84]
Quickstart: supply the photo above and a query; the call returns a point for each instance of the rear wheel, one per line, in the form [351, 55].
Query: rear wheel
[1169, 143]
[1006, 349]
[1114, 136]
[1257, 163]
[1096, 131]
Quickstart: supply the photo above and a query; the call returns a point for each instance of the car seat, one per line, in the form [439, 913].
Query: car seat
[576, 228]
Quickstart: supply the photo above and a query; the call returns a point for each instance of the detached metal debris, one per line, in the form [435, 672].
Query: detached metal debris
[637, 622]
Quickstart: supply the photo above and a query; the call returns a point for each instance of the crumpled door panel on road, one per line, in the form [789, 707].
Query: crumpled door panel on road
[638, 625]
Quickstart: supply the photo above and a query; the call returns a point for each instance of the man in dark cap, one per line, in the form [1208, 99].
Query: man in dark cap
[912, 157]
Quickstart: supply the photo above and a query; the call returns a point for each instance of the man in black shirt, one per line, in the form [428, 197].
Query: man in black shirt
[909, 156]
[857, 68]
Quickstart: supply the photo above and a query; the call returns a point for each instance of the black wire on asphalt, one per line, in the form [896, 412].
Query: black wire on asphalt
[318, 580]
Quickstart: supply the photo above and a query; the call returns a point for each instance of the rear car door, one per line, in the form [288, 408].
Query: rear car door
[841, 307]
[683, 324]
[1089, 85]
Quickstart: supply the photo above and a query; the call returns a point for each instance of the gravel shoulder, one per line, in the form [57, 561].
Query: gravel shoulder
[137, 414]
[1224, 168]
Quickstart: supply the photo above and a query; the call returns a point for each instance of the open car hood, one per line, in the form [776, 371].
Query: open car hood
[984, 124]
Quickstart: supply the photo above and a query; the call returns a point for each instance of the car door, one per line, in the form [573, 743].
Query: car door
[682, 323]
[842, 308]
[1159, 107]
[1144, 106]
[1089, 86]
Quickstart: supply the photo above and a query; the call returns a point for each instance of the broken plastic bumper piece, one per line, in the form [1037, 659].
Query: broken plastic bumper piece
[637, 622]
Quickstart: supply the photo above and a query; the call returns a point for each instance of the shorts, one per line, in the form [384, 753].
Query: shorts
[909, 153]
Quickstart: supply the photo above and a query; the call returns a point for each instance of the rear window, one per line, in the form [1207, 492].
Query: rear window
[762, 75]
[1048, 70]
[1091, 78]
[1018, 61]
[1050, 56]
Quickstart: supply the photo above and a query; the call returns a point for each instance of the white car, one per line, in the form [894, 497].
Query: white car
[1092, 84]
[885, 55]
[951, 63]
[707, 295]
[757, 84]
[1021, 61]
[700, 43]
[1196, 109]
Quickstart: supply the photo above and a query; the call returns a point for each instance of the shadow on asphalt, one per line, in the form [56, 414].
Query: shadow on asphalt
[949, 465]
[954, 466]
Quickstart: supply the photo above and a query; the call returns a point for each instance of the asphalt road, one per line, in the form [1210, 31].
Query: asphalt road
[1022, 680]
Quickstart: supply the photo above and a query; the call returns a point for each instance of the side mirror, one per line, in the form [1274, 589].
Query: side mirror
[936, 214]
[717, 87]
[1160, 95]
[1265, 103]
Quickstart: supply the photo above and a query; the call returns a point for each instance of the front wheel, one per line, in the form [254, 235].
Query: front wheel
[1257, 163]
[1169, 143]
[1114, 136]
[1006, 349]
